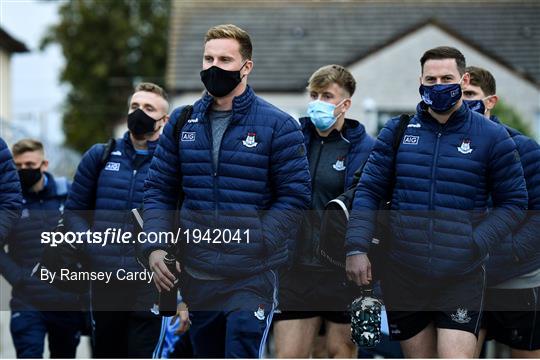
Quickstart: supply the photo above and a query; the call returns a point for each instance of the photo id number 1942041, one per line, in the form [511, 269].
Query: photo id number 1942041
[216, 236]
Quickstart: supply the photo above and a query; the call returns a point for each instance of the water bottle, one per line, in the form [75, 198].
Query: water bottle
[167, 299]
[366, 319]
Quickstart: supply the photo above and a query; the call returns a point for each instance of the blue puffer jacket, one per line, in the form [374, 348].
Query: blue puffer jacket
[355, 133]
[10, 192]
[112, 193]
[262, 176]
[10, 206]
[41, 212]
[444, 176]
[519, 253]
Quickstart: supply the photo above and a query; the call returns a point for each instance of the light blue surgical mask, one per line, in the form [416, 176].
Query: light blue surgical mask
[321, 114]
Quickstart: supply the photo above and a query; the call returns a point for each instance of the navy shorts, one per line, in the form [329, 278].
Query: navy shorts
[512, 317]
[414, 301]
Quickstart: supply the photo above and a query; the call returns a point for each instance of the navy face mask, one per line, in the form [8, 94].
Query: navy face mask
[441, 97]
[476, 105]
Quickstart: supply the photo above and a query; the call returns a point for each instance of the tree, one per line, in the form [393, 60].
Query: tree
[510, 117]
[108, 45]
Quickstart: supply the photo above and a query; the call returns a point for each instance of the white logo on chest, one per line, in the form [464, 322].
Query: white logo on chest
[465, 147]
[339, 165]
[250, 140]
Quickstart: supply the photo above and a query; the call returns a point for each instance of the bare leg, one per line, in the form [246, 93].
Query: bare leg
[480, 343]
[455, 344]
[422, 345]
[524, 354]
[338, 341]
[295, 338]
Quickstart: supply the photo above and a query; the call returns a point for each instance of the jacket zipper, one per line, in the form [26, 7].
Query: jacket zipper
[133, 175]
[315, 169]
[208, 129]
[432, 193]
[314, 249]
[215, 167]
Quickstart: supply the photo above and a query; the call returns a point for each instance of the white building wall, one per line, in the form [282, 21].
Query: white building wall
[5, 93]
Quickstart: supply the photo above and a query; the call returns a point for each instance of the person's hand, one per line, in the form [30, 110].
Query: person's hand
[182, 315]
[358, 269]
[163, 278]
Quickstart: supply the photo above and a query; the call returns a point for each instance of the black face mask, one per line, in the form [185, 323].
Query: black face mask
[219, 82]
[29, 177]
[139, 123]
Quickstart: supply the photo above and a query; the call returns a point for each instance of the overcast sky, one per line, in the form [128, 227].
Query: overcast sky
[36, 92]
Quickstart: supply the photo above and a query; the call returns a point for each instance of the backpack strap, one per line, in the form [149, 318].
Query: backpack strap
[184, 116]
[108, 147]
[404, 120]
[182, 120]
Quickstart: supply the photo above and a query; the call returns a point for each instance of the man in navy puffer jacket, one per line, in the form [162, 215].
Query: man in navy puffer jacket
[310, 291]
[37, 307]
[513, 269]
[102, 197]
[241, 164]
[449, 163]
[10, 192]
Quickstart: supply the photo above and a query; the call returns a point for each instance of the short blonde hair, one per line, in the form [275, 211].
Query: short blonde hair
[230, 31]
[26, 145]
[153, 88]
[329, 74]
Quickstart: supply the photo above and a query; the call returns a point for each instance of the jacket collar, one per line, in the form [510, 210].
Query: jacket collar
[131, 150]
[353, 131]
[47, 192]
[241, 104]
[456, 120]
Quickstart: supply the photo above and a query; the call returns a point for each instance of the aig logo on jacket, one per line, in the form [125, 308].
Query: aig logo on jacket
[112, 166]
[188, 136]
[411, 140]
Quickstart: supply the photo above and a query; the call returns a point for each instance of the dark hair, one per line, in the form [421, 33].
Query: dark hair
[482, 78]
[444, 52]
